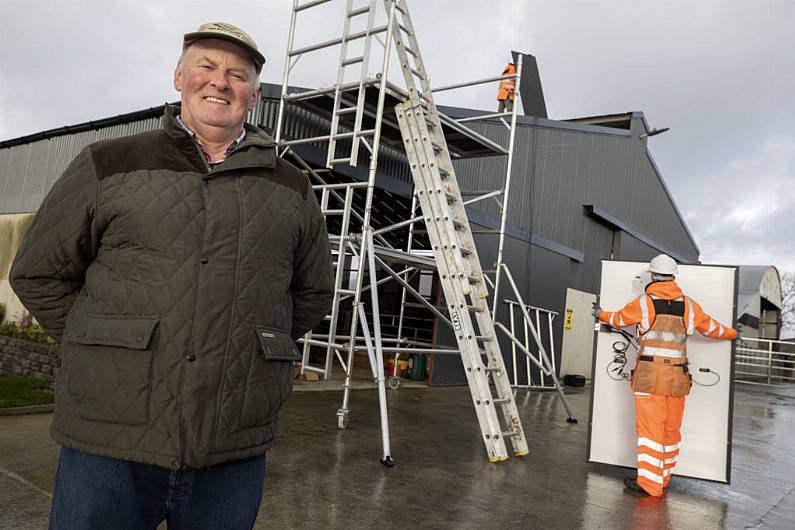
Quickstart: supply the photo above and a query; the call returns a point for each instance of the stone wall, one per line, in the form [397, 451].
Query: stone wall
[28, 359]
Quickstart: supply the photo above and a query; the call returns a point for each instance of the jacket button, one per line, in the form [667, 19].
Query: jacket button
[83, 333]
[190, 357]
[203, 260]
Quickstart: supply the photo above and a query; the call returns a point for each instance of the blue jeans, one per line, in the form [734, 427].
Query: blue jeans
[94, 492]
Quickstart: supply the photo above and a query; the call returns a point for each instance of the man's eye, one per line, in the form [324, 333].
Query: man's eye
[204, 66]
[241, 77]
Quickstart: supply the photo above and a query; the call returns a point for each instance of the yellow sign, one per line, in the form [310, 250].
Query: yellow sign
[569, 319]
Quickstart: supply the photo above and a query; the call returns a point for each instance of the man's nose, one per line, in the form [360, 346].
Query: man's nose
[218, 79]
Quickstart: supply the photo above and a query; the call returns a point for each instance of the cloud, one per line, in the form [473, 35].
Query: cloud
[744, 211]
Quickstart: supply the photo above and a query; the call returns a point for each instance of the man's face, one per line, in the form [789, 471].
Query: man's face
[219, 85]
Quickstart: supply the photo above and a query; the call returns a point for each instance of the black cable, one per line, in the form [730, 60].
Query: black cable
[619, 363]
[707, 370]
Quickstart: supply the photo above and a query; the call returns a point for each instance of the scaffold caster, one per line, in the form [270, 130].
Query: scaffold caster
[387, 461]
[571, 420]
[393, 382]
[342, 419]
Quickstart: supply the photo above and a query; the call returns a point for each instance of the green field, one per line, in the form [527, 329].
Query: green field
[23, 391]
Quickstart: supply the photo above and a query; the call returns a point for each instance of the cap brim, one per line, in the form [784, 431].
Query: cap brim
[256, 56]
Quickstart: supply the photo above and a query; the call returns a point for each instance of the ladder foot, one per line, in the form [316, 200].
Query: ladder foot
[571, 420]
[387, 461]
[493, 459]
[525, 453]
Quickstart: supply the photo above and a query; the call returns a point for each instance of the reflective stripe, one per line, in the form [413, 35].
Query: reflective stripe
[720, 330]
[691, 317]
[671, 460]
[613, 320]
[667, 336]
[620, 321]
[674, 447]
[651, 444]
[643, 457]
[642, 395]
[663, 352]
[711, 325]
[644, 313]
[666, 472]
[645, 473]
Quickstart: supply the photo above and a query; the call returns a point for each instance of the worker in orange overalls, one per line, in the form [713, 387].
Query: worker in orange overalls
[507, 89]
[665, 318]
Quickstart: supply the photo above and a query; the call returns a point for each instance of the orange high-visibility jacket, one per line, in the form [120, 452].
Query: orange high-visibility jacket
[507, 86]
[640, 311]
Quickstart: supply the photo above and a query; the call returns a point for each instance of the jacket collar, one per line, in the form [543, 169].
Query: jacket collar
[665, 290]
[256, 150]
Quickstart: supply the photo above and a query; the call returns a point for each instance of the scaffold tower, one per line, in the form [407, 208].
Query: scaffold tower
[365, 110]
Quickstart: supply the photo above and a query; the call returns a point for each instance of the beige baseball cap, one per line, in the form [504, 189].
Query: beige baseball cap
[228, 32]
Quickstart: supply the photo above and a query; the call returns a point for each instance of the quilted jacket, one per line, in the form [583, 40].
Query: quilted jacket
[176, 293]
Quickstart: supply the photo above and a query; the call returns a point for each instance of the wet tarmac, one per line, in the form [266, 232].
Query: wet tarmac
[320, 477]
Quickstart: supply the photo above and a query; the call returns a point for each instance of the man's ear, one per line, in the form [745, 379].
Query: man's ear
[255, 97]
[178, 78]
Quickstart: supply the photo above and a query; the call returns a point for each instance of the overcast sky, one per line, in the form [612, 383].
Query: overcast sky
[720, 74]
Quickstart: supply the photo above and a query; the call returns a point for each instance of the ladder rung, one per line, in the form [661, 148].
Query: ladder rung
[409, 50]
[419, 74]
[475, 279]
[356, 12]
[485, 338]
[309, 94]
[501, 401]
[333, 212]
[346, 110]
[339, 161]
[307, 5]
[451, 197]
[400, 8]
[508, 434]
[404, 28]
[346, 292]
[491, 369]
[307, 368]
[334, 42]
[443, 172]
[466, 251]
[476, 309]
[353, 60]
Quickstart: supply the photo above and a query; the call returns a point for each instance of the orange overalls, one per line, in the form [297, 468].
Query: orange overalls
[507, 88]
[665, 318]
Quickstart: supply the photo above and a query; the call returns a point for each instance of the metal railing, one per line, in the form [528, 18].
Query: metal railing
[764, 361]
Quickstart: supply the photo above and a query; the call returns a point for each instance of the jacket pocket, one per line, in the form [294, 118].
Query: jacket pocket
[108, 363]
[644, 377]
[270, 376]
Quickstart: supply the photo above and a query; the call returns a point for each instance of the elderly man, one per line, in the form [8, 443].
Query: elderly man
[176, 268]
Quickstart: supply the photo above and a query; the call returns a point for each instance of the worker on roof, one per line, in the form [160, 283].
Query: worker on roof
[507, 89]
[665, 318]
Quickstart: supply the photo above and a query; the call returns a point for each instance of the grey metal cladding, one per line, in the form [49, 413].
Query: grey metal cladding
[558, 167]
[556, 171]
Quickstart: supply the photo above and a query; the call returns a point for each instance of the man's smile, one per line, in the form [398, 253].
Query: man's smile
[213, 99]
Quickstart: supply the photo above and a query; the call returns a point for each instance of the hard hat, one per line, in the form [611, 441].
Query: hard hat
[663, 264]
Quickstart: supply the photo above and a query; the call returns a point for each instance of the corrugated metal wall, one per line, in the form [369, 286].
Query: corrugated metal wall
[556, 171]
[558, 167]
[28, 171]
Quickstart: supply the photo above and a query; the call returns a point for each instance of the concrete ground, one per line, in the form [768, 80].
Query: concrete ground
[321, 477]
